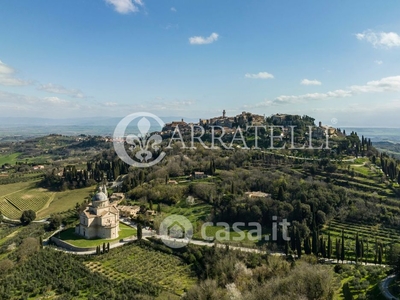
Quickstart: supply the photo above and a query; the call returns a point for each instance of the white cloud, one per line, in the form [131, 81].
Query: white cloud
[53, 100]
[387, 84]
[182, 103]
[311, 96]
[378, 62]
[380, 39]
[7, 76]
[173, 9]
[265, 103]
[58, 89]
[260, 75]
[35, 103]
[125, 6]
[111, 104]
[174, 105]
[310, 82]
[199, 40]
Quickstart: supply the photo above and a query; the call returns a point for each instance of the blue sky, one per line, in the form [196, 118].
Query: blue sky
[338, 62]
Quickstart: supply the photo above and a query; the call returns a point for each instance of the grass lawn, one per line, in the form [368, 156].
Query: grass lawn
[65, 200]
[196, 212]
[7, 189]
[69, 236]
[361, 160]
[9, 159]
[365, 170]
[199, 213]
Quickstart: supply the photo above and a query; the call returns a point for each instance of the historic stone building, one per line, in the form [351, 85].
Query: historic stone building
[100, 219]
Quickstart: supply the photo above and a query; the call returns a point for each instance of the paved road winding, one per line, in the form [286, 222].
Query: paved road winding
[384, 287]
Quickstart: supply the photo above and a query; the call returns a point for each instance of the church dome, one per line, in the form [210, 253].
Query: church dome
[100, 196]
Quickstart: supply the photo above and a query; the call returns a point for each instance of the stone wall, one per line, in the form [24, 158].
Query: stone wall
[68, 246]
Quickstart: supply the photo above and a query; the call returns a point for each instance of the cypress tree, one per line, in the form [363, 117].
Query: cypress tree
[329, 254]
[358, 250]
[139, 231]
[323, 252]
[281, 194]
[212, 167]
[321, 246]
[342, 253]
[307, 246]
[287, 248]
[315, 247]
[338, 250]
[298, 244]
[362, 249]
[293, 239]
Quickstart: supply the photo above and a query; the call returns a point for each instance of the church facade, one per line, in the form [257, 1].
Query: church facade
[100, 219]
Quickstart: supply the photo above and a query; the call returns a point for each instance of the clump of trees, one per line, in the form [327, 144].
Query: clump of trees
[27, 217]
[231, 275]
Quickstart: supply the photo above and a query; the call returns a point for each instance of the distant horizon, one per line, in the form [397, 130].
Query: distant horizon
[164, 118]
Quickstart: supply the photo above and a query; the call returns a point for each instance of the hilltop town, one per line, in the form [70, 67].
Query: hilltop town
[230, 124]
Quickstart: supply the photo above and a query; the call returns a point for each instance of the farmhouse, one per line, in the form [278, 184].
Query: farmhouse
[199, 175]
[100, 219]
[128, 211]
[257, 194]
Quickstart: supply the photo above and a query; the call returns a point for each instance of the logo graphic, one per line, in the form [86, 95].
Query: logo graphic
[176, 231]
[141, 143]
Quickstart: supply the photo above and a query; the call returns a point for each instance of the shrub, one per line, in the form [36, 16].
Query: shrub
[27, 217]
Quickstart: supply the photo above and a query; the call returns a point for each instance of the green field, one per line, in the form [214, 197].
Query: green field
[16, 157]
[7, 189]
[17, 197]
[144, 265]
[65, 200]
[69, 236]
[9, 159]
[20, 197]
[197, 212]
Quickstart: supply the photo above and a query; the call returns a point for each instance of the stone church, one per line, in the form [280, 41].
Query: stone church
[100, 219]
